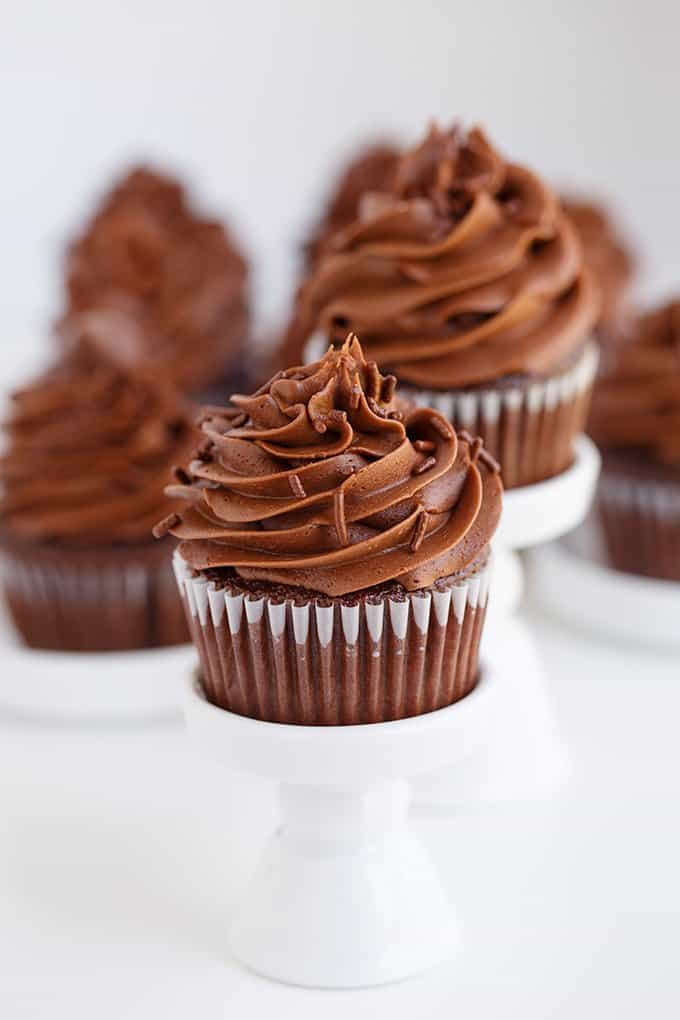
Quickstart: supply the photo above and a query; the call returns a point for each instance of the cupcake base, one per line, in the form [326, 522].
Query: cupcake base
[529, 427]
[638, 506]
[325, 662]
[92, 600]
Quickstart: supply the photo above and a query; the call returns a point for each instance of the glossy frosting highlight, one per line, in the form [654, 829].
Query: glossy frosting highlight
[465, 272]
[636, 406]
[89, 450]
[317, 481]
[149, 269]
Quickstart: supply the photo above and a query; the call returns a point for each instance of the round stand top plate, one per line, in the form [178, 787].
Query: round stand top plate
[591, 596]
[349, 757]
[91, 686]
[539, 513]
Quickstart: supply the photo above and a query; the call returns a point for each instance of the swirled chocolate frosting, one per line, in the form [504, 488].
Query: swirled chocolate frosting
[317, 481]
[610, 261]
[636, 405]
[373, 169]
[465, 272]
[149, 268]
[90, 447]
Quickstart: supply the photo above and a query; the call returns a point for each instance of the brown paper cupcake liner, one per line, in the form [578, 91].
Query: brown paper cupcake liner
[95, 600]
[640, 525]
[333, 662]
[529, 428]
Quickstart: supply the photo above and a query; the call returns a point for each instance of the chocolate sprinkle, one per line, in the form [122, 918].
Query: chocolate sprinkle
[297, 486]
[424, 465]
[339, 516]
[418, 531]
[424, 446]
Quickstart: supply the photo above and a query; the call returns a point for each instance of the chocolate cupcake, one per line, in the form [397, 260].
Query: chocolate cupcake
[90, 448]
[612, 264]
[334, 556]
[150, 273]
[467, 281]
[635, 421]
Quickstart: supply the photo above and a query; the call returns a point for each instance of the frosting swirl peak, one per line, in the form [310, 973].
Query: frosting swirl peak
[464, 272]
[317, 481]
[148, 266]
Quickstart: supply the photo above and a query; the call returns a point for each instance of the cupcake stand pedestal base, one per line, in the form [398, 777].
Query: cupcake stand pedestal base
[344, 895]
[525, 756]
[572, 583]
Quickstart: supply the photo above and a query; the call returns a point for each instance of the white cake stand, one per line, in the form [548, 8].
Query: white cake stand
[344, 894]
[526, 756]
[573, 584]
[83, 687]
[534, 514]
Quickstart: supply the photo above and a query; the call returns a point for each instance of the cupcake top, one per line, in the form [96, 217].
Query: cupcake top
[465, 272]
[90, 447]
[373, 169]
[317, 481]
[636, 405]
[151, 267]
[610, 261]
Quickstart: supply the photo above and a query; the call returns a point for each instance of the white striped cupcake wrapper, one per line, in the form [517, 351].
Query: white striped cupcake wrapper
[529, 428]
[98, 602]
[323, 663]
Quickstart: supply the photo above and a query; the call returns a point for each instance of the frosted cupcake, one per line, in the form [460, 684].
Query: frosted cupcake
[90, 447]
[150, 273]
[468, 282]
[334, 556]
[636, 423]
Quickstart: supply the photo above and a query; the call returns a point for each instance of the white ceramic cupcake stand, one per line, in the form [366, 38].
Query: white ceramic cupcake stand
[109, 688]
[344, 895]
[571, 581]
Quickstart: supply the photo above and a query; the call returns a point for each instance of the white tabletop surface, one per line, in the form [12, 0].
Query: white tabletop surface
[121, 850]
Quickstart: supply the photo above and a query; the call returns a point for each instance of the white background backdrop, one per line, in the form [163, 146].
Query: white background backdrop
[256, 102]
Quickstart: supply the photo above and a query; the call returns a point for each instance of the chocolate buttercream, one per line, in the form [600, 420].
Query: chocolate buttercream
[610, 261]
[464, 273]
[150, 271]
[636, 405]
[90, 449]
[317, 481]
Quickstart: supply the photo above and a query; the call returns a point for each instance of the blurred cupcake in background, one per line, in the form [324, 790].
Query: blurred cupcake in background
[151, 270]
[89, 448]
[612, 263]
[373, 168]
[334, 556]
[635, 421]
[467, 281]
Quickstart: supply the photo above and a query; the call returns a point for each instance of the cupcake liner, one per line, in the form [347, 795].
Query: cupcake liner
[329, 662]
[85, 599]
[529, 428]
[640, 524]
